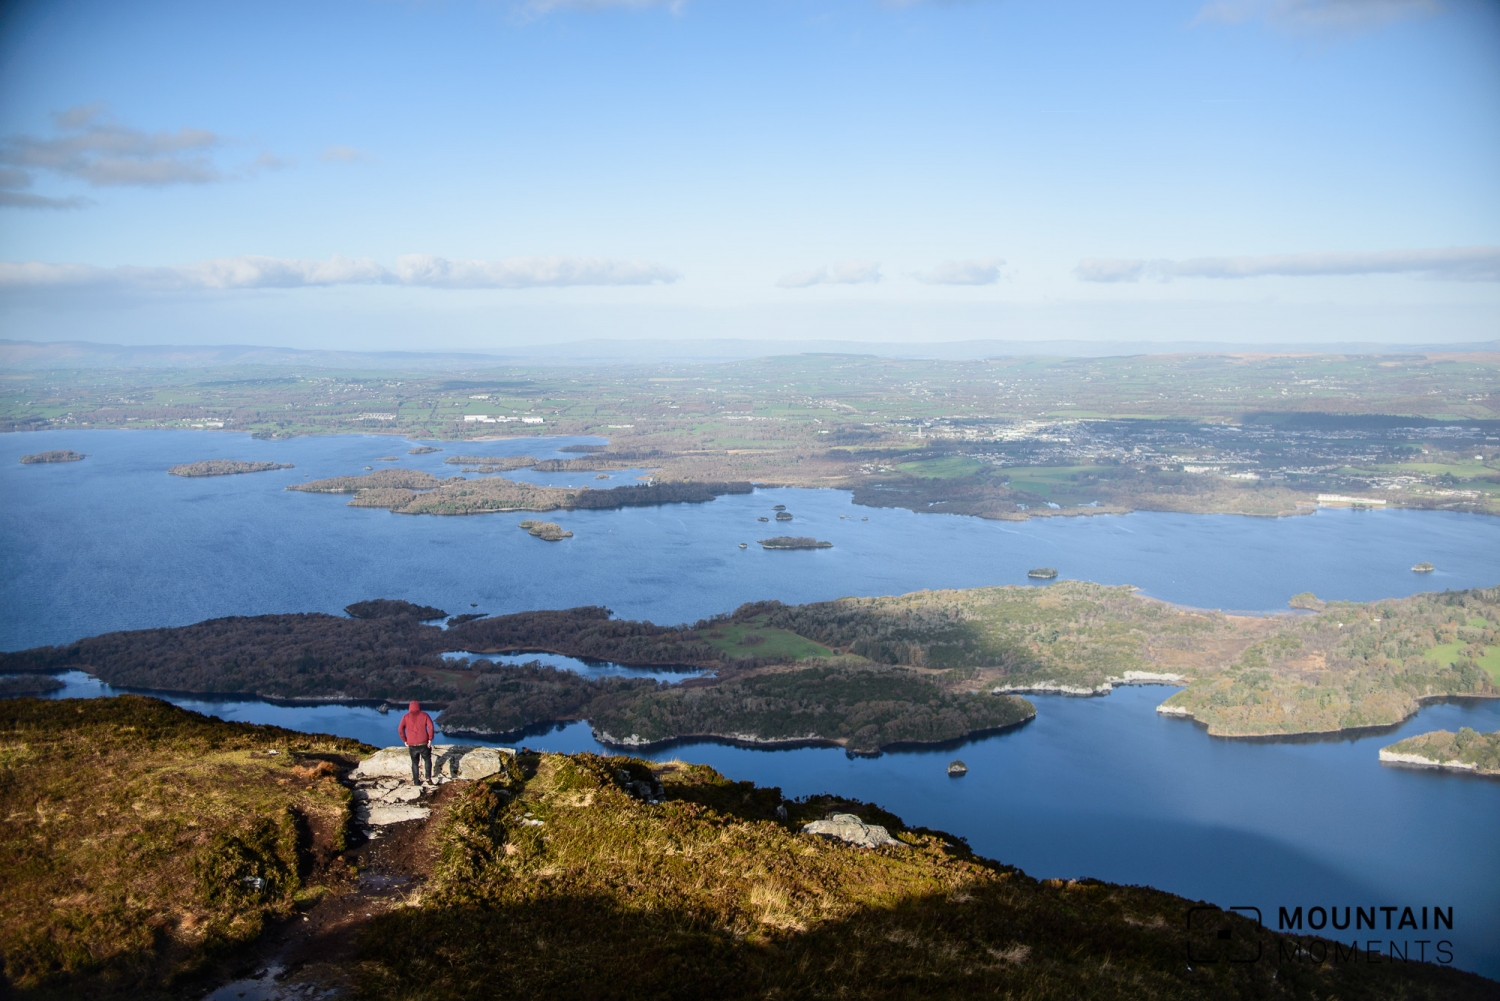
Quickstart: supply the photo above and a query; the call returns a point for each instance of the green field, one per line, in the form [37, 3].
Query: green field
[948, 468]
[1044, 480]
[776, 644]
[1448, 653]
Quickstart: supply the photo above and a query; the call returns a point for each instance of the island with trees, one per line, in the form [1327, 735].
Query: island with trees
[794, 542]
[225, 467]
[56, 455]
[547, 531]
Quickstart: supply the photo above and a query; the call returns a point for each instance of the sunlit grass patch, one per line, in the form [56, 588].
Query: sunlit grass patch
[754, 638]
[139, 840]
[947, 468]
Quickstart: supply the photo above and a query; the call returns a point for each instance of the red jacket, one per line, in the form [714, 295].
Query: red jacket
[416, 728]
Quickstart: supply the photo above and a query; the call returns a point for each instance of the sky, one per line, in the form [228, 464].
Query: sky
[477, 174]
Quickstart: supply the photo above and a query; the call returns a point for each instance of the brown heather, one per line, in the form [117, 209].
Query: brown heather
[709, 895]
[134, 833]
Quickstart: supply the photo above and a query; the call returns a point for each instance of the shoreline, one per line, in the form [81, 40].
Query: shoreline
[792, 743]
[1319, 736]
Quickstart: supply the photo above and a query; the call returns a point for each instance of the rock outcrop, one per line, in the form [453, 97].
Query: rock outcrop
[457, 761]
[383, 790]
[848, 827]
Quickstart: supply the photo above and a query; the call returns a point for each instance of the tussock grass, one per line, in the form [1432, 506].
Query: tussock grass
[709, 893]
[140, 841]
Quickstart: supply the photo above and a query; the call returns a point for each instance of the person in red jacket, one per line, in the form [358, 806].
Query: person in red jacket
[416, 732]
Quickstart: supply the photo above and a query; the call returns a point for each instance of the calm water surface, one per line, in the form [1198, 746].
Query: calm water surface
[1100, 787]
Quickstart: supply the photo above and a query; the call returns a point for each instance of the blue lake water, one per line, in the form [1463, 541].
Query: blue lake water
[113, 542]
[1101, 787]
[587, 668]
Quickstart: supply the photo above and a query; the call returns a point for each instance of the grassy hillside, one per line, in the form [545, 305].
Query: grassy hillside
[567, 884]
[140, 842]
[149, 851]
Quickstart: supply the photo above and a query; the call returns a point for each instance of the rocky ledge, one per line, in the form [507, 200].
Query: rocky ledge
[384, 793]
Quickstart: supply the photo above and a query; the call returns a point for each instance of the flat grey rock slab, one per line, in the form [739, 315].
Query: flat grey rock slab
[848, 827]
[460, 761]
[394, 813]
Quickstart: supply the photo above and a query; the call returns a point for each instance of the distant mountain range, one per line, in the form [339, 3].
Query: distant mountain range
[42, 356]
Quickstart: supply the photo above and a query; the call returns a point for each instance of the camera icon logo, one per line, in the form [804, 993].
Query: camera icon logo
[1223, 936]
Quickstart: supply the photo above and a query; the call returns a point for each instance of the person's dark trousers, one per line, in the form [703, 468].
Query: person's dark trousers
[424, 753]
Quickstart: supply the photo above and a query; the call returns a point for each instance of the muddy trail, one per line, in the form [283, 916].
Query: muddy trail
[313, 954]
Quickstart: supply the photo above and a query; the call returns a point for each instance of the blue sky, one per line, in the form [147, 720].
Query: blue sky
[473, 175]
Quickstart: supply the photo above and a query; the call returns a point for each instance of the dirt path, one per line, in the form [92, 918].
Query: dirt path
[312, 955]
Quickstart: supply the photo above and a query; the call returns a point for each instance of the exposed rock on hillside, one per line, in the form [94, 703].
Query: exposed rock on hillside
[848, 827]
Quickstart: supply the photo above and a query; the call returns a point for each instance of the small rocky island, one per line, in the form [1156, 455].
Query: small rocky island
[957, 768]
[1042, 573]
[547, 531]
[422, 450]
[226, 467]
[794, 542]
[57, 455]
[1468, 750]
[1423, 567]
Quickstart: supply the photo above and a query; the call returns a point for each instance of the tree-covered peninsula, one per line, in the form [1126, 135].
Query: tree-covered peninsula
[156, 853]
[1467, 750]
[864, 673]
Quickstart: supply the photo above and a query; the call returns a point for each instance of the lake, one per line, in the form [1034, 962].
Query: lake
[1093, 787]
[113, 542]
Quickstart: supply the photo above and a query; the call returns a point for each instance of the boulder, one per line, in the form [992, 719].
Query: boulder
[848, 827]
[454, 760]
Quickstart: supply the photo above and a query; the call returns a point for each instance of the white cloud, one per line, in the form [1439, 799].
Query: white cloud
[1323, 16]
[845, 273]
[527, 272]
[1109, 269]
[1473, 264]
[89, 145]
[420, 270]
[983, 271]
[344, 154]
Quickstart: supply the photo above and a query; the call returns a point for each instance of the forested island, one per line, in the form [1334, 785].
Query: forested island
[225, 467]
[405, 491]
[57, 455]
[547, 531]
[794, 542]
[566, 872]
[864, 673]
[1467, 750]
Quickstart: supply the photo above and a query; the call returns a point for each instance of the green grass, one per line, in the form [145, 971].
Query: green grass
[1445, 654]
[948, 468]
[1043, 480]
[778, 644]
[1448, 653]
